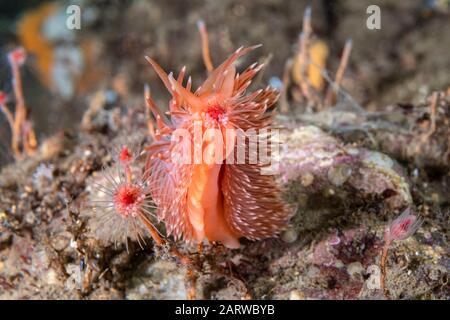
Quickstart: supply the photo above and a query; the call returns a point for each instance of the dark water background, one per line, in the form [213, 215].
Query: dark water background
[45, 108]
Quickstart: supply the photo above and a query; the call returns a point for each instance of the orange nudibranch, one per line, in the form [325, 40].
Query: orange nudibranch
[213, 200]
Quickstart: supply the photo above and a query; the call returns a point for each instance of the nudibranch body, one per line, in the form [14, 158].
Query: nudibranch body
[213, 199]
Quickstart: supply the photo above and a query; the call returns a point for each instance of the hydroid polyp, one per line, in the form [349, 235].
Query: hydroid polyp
[23, 137]
[121, 202]
[400, 228]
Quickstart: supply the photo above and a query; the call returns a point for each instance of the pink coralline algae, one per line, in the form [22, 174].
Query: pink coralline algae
[320, 162]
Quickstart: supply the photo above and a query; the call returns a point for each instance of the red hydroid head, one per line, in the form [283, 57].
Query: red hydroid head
[17, 56]
[3, 98]
[125, 155]
[129, 199]
[403, 226]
